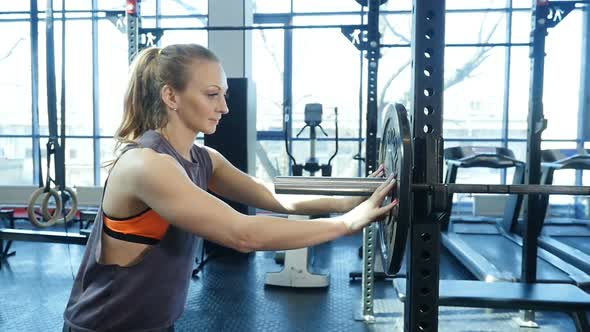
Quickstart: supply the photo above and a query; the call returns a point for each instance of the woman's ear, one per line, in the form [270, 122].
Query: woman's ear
[169, 97]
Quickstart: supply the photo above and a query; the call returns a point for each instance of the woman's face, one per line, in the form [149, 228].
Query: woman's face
[202, 103]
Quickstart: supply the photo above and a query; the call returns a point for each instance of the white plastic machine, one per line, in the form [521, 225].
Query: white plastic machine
[297, 269]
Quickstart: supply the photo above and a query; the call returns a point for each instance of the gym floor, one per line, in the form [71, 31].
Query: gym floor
[230, 295]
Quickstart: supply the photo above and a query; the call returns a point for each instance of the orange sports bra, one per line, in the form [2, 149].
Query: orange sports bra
[148, 227]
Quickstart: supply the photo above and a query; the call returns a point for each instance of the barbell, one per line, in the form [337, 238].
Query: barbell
[396, 154]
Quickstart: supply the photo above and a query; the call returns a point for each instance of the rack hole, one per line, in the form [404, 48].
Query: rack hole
[429, 92]
[428, 110]
[424, 308]
[423, 326]
[425, 237]
[425, 255]
[425, 273]
[424, 291]
[427, 129]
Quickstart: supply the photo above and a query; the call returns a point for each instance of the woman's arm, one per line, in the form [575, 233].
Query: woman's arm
[161, 183]
[228, 181]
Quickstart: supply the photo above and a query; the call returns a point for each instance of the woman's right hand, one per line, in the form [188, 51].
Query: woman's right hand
[371, 209]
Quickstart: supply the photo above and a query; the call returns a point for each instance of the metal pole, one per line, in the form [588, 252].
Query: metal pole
[133, 12]
[53, 144]
[60, 155]
[95, 96]
[288, 89]
[360, 100]
[428, 32]
[37, 168]
[584, 115]
[506, 106]
[536, 125]
[371, 148]
[308, 185]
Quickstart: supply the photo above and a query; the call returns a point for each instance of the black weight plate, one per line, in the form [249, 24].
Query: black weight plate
[395, 153]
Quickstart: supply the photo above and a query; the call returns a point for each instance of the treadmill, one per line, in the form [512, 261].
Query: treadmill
[488, 247]
[566, 238]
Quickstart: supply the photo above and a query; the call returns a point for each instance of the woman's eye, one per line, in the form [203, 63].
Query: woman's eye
[213, 94]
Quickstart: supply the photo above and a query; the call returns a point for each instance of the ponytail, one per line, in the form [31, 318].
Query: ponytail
[144, 109]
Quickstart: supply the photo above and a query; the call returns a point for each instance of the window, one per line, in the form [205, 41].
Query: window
[272, 160]
[395, 76]
[487, 27]
[301, 6]
[561, 94]
[148, 8]
[70, 5]
[473, 76]
[175, 7]
[267, 72]
[271, 6]
[519, 89]
[482, 4]
[522, 3]
[184, 36]
[521, 26]
[396, 28]
[79, 162]
[16, 166]
[320, 77]
[15, 81]
[112, 4]
[79, 119]
[405, 5]
[107, 154]
[11, 6]
[112, 76]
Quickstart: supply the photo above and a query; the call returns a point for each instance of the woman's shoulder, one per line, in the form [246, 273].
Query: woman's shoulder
[144, 161]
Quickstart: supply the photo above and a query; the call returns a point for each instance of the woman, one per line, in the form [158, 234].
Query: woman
[136, 269]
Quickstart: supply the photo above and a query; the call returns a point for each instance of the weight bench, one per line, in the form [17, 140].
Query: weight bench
[9, 234]
[508, 295]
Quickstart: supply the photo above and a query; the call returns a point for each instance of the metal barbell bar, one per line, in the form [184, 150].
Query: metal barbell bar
[302, 185]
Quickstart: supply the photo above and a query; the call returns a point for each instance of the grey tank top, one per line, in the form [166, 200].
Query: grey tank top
[147, 296]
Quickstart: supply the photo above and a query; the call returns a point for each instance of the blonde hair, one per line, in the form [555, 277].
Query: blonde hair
[153, 68]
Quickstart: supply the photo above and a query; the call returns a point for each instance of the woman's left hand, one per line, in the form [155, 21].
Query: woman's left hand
[349, 203]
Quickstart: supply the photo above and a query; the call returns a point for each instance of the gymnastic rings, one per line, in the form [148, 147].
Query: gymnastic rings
[35, 215]
[72, 207]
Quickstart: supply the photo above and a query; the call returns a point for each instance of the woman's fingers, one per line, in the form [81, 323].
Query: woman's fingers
[384, 184]
[385, 188]
[391, 206]
[378, 172]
